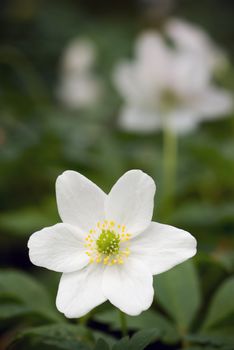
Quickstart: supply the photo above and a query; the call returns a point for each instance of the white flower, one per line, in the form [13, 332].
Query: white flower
[107, 247]
[79, 91]
[79, 56]
[169, 85]
[189, 37]
[79, 87]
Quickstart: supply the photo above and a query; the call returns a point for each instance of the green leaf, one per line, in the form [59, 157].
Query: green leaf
[122, 344]
[25, 221]
[106, 337]
[211, 272]
[226, 259]
[217, 338]
[101, 345]
[178, 292]
[203, 216]
[12, 310]
[61, 336]
[23, 295]
[222, 304]
[141, 339]
[146, 320]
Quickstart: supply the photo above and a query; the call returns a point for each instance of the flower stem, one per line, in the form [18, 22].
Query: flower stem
[169, 168]
[84, 320]
[123, 323]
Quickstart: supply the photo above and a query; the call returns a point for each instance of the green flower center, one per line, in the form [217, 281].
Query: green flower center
[169, 100]
[108, 242]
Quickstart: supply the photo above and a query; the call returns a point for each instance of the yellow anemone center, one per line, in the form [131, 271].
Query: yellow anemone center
[107, 243]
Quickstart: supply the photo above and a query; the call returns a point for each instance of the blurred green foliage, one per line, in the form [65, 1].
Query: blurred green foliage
[40, 138]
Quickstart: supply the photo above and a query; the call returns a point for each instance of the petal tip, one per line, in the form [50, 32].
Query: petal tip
[64, 174]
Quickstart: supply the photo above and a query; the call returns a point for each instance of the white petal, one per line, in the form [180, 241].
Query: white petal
[80, 201]
[80, 291]
[153, 59]
[214, 102]
[189, 37]
[163, 246]
[150, 46]
[79, 56]
[59, 248]
[183, 80]
[135, 118]
[126, 81]
[129, 286]
[131, 201]
[140, 81]
[79, 90]
[183, 120]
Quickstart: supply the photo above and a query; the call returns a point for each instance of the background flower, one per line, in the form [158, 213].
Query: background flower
[171, 86]
[191, 38]
[79, 87]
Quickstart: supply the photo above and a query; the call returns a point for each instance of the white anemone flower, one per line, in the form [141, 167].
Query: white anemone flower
[169, 86]
[107, 247]
[79, 86]
[79, 56]
[79, 90]
[190, 37]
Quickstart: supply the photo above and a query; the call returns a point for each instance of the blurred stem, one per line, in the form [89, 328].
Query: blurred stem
[169, 168]
[84, 320]
[123, 323]
[185, 343]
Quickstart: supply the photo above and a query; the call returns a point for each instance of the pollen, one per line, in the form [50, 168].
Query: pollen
[108, 243]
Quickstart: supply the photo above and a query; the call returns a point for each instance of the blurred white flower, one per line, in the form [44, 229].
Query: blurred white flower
[79, 87]
[189, 37]
[168, 85]
[79, 91]
[107, 247]
[79, 56]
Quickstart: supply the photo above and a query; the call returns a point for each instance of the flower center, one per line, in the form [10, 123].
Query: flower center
[107, 243]
[169, 100]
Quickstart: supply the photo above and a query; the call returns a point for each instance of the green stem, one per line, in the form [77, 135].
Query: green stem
[185, 344]
[123, 323]
[169, 168]
[84, 320]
